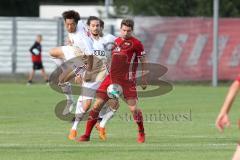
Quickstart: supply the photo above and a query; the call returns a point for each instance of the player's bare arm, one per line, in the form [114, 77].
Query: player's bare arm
[223, 119]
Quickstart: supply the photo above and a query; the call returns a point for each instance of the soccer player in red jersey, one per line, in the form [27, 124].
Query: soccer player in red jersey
[125, 55]
[223, 119]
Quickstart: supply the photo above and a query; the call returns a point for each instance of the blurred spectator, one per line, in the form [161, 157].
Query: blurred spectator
[35, 51]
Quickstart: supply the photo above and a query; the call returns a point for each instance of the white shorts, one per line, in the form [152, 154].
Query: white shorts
[89, 89]
[71, 52]
[88, 92]
[71, 61]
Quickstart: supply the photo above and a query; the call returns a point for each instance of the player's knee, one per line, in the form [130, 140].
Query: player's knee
[87, 105]
[52, 52]
[115, 107]
[55, 52]
[98, 105]
[133, 108]
[113, 104]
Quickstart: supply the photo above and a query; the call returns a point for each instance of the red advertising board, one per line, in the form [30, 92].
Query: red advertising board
[184, 46]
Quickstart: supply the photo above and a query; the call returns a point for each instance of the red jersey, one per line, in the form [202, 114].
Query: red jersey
[125, 56]
[36, 50]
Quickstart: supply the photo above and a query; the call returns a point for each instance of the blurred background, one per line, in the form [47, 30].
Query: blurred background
[176, 33]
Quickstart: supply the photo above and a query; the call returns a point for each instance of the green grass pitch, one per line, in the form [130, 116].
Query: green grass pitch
[30, 130]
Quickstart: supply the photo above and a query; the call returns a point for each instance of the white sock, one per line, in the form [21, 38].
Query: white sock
[75, 124]
[67, 90]
[79, 113]
[103, 111]
[106, 117]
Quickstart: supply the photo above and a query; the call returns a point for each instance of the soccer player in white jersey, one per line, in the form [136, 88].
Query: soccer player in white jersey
[88, 88]
[108, 111]
[80, 46]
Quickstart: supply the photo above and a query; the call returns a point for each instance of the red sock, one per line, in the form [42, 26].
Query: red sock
[137, 116]
[92, 120]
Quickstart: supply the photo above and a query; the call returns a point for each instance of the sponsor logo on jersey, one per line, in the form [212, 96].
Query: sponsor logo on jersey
[99, 53]
[117, 49]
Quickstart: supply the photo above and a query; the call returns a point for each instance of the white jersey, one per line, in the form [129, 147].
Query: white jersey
[101, 54]
[81, 46]
[81, 38]
[102, 48]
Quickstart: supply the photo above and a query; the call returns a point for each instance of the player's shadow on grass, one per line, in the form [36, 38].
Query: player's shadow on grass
[59, 112]
[70, 117]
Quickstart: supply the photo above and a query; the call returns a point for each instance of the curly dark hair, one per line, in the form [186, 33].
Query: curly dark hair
[91, 18]
[71, 14]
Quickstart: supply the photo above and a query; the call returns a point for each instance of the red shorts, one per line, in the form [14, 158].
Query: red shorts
[129, 88]
[238, 78]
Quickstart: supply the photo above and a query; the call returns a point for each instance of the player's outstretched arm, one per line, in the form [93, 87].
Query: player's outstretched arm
[144, 70]
[236, 155]
[223, 119]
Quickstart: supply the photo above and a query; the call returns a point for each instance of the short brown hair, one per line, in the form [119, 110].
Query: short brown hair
[71, 14]
[128, 22]
[39, 35]
[91, 18]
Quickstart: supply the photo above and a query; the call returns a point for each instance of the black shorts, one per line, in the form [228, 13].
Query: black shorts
[37, 65]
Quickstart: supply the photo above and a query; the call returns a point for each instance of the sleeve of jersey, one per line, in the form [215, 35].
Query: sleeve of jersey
[33, 48]
[140, 49]
[111, 38]
[89, 46]
[81, 26]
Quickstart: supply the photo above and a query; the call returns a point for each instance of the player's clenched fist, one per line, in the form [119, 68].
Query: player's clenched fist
[222, 121]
